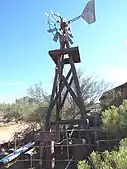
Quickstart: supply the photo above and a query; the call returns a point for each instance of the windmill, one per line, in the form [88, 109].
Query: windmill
[60, 28]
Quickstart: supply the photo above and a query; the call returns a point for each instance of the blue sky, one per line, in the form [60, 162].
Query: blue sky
[24, 43]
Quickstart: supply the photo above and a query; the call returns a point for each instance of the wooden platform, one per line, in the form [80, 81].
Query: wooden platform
[74, 52]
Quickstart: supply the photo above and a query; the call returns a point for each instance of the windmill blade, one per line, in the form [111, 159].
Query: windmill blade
[56, 36]
[52, 30]
[58, 13]
[53, 15]
[51, 12]
[52, 19]
[50, 23]
[47, 14]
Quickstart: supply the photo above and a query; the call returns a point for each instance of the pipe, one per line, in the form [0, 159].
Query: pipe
[16, 153]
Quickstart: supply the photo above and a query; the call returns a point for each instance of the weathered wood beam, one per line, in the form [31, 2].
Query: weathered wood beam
[63, 122]
[65, 95]
[71, 91]
[53, 103]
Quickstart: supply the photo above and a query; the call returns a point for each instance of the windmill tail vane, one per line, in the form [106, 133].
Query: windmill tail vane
[60, 28]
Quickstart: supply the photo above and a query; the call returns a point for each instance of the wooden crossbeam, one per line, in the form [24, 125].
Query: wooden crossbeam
[65, 95]
[52, 103]
[71, 91]
[63, 122]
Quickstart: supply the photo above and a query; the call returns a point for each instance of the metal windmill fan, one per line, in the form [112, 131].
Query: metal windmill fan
[60, 27]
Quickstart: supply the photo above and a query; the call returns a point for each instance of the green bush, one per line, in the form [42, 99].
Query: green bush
[107, 160]
[115, 118]
[83, 165]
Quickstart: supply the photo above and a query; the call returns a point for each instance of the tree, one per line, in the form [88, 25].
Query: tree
[37, 94]
[91, 90]
[31, 108]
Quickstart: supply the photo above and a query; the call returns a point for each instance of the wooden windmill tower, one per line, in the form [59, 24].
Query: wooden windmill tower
[66, 55]
[62, 85]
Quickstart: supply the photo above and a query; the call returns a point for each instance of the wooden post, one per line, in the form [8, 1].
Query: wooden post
[52, 152]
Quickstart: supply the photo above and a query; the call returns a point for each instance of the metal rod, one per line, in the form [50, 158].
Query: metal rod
[69, 162]
[108, 140]
[15, 142]
[72, 145]
[36, 160]
[74, 19]
[69, 130]
[67, 145]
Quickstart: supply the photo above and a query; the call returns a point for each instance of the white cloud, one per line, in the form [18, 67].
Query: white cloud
[11, 83]
[115, 75]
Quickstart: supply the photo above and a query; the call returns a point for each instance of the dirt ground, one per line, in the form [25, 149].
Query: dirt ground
[7, 131]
